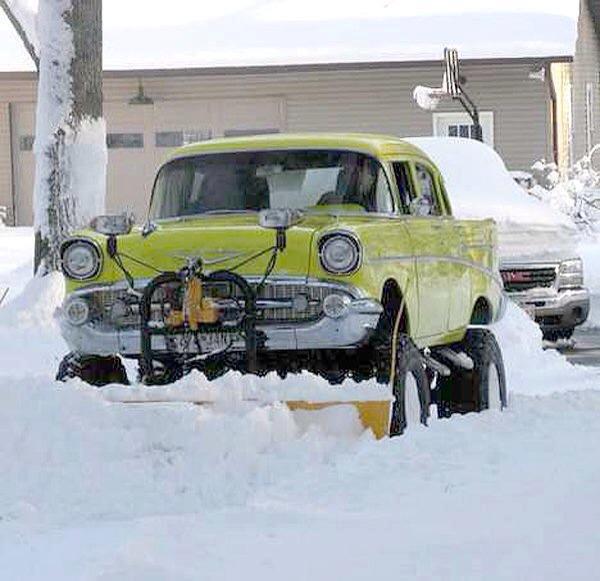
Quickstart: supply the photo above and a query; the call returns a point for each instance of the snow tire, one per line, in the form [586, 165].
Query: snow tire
[469, 390]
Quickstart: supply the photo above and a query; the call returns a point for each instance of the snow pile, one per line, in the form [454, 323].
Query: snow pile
[531, 370]
[97, 490]
[576, 193]
[16, 260]
[479, 185]
[89, 159]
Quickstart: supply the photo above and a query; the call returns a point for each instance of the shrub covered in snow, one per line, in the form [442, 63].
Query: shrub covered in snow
[576, 193]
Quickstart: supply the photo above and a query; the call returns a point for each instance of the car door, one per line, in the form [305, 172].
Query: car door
[432, 238]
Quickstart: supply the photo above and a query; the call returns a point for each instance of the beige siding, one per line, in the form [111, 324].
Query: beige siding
[5, 159]
[586, 69]
[365, 98]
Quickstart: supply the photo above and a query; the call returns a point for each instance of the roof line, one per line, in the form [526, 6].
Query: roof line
[261, 69]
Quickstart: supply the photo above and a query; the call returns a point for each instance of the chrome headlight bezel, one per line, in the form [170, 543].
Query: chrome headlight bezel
[340, 242]
[570, 274]
[83, 245]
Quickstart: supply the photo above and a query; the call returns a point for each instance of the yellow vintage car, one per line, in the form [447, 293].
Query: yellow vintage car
[332, 253]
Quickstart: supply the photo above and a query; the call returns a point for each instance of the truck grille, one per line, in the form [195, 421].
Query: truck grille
[523, 279]
[278, 302]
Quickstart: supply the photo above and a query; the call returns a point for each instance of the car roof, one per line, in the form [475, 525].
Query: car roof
[373, 144]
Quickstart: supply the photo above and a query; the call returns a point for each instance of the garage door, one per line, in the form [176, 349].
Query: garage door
[140, 138]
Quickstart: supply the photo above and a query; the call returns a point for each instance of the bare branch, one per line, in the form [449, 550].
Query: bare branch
[21, 32]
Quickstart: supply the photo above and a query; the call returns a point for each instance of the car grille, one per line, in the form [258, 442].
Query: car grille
[277, 302]
[523, 279]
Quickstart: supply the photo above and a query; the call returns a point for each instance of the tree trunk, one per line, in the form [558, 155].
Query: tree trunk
[70, 142]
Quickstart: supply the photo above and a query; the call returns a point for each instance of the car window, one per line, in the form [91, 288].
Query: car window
[427, 189]
[404, 183]
[254, 180]
[383, 195]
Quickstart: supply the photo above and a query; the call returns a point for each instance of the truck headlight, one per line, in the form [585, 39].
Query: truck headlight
[80, 259]
[570, 273]
[340, 253]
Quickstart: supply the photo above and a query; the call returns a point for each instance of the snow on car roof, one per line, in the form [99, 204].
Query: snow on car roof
[480, 186]
[259, 38]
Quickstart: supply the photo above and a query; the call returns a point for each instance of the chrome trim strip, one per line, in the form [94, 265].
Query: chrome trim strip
[452, 259]
[140, 283]
[326, 333]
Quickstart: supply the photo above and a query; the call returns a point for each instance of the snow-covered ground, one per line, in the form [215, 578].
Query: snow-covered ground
[101, 491]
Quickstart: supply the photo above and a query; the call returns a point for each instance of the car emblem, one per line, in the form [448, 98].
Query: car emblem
[516, 276]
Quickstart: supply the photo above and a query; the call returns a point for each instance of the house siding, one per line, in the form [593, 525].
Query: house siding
[6, 196]
[360, 98]
[586, 69]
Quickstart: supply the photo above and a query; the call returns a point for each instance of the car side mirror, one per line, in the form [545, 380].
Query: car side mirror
[420, 206]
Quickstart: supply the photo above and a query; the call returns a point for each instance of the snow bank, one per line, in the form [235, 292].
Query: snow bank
[479, 185]
[16, 260]
[531, 370]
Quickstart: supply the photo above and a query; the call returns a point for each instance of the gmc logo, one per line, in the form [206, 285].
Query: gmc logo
[515, 276]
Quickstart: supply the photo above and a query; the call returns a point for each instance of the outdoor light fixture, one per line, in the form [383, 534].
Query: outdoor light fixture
[141, 98]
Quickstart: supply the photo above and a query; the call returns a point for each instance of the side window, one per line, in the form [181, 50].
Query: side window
[427, 189]
[382, 194]
[402, 174]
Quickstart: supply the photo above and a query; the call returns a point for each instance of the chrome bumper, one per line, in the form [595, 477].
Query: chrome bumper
[556, 309]
[352, 330]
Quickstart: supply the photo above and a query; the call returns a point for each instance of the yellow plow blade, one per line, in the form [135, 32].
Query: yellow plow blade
[373, 415]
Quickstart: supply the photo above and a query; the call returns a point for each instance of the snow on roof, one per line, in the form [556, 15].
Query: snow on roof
[249, 39]
[480, 186]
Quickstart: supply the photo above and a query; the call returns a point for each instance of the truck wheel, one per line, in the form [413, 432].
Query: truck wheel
[410, 407]
[93, 369]
[481, 388]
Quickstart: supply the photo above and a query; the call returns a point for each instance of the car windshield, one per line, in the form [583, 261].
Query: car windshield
[252, 181]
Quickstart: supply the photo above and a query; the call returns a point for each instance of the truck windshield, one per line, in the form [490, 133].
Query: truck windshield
[252, 181]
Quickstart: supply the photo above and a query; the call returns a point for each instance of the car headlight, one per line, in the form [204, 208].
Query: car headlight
[570, 273]
[80, 259]
[77, 311]
[340, 253]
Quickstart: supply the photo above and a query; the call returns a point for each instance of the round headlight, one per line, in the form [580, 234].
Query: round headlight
[77, 311]
[80, 259]
[336, 306]
[340, 254]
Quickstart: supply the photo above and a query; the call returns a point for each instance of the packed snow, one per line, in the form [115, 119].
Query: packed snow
[107, 491]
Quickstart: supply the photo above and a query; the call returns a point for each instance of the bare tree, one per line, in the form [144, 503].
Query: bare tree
[70, 133]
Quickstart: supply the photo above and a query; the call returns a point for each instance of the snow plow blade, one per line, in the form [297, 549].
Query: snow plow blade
[373, 415]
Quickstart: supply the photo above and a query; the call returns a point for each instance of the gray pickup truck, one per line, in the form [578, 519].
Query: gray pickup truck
[547, 280]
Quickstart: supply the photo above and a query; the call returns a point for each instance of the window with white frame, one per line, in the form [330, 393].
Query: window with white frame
[461, 125]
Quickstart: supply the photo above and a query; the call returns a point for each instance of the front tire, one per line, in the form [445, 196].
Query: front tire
[478, 389]
[95, 370]
[412, 398]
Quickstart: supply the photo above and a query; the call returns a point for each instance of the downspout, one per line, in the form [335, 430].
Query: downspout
[13, 169]
[553, 111]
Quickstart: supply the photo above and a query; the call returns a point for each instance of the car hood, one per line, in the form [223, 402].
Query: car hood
[222, 242]
[524, 243]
